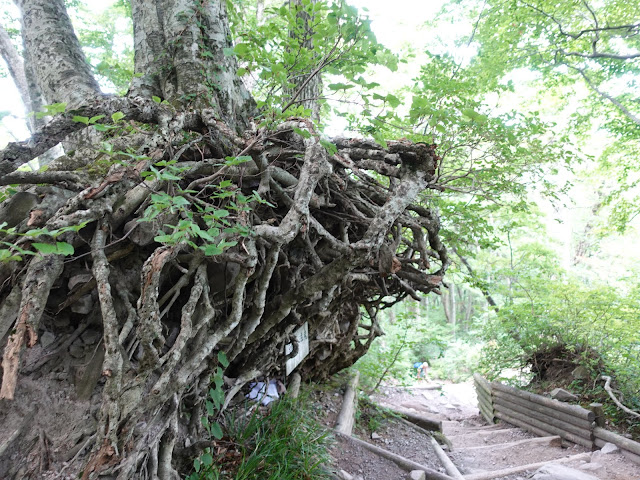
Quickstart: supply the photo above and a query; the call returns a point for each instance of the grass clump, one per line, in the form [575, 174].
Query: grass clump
[281, 441]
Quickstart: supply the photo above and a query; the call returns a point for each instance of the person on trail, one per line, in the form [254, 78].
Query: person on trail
[423, 369]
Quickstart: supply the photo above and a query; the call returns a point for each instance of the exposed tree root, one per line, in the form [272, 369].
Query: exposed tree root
[331, 235]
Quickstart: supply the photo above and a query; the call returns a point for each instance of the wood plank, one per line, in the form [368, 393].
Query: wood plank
[448, 465]
[539, 428]
[294, 385]
[487, 414]
[485, 432]
[622, 442]
[519, 423]
[554, 441]
[481, 395]
[531, 466]
[423, 421]
[545, 410]
[575, 410]
[346, 417]
[482, 382]
[631, 456]
[533, 417]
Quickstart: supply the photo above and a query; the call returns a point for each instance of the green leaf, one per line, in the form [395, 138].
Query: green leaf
[329, 147]
[117, 116]
[339, 86]
[60, 248]
[207, 458]
[156, 99]
[302, 133]
[55, 108]
[241, 49]
[79, 119]
[393, 100]
[472, 114]
[222, 358]
[211, 250]
[64, 248]
[164, 238]
[93, 120]
[220, 213]
[216, 431]
[181, 201]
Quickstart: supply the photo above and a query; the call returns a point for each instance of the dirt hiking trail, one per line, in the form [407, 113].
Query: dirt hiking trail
[478, 450]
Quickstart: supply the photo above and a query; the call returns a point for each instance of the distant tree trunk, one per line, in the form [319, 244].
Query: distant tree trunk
[484, 291]
[193, 233]
[307, 85]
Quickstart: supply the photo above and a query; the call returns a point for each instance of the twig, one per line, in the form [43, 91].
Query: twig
[607, 387]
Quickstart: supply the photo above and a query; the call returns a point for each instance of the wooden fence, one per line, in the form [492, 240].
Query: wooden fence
[543, 416]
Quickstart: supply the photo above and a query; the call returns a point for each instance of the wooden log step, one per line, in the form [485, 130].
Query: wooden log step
[423, 421]
[574, 410]
[536, 418]
[448, 465]
[545, 410]
[485, 432]
[531, 466]
[346, 417]
[402, 462]
[553, 441]
[622, 442]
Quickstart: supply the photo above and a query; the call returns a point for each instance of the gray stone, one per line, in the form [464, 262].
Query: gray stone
[580, 373]
[591, 467]
[609, 448]
[417, 475]
[76, 350]
[375, 436]
[46, 339]
[561, 472]
[79, 279]
[563, 395]
[90, 336]
[83, 305]
[345, 476]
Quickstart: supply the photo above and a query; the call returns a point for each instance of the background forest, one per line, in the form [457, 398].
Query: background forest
[535, 109]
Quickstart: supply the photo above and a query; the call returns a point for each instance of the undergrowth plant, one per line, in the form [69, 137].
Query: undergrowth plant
[281, 441]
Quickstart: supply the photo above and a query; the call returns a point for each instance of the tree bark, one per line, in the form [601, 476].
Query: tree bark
[61, 70]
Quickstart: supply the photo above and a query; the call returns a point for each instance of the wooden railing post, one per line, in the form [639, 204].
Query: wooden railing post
[597, 409]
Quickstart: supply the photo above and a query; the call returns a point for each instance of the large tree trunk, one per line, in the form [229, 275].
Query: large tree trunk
[110, 349]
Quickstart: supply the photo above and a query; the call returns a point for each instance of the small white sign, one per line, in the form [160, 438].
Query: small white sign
[302, 336]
